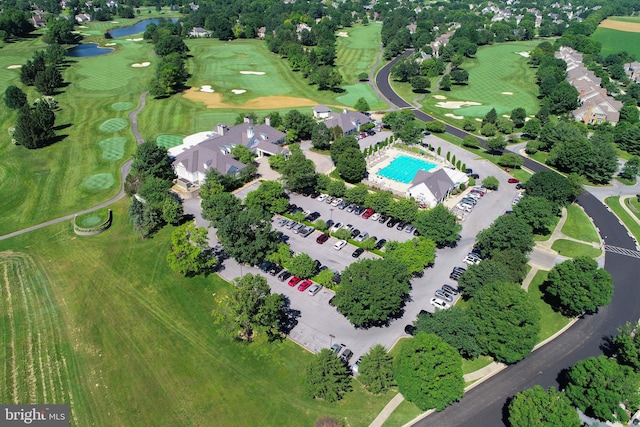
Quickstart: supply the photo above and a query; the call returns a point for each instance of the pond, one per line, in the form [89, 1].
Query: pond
[89, 49]
[137, 28]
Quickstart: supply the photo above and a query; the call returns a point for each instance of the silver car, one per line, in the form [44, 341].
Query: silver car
[314, 289]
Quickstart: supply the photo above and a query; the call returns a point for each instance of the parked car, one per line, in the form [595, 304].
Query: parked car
[519, 186]
[322, 197]
[381, 243]
[314, 194]
[361, 236]
[329, 223]
[291, 224]
[455, 275]
[266, 266]
[392, 222]
[383, 218]
[409, 228]
[304, 285]
[357, 252]
[356, 366]
[376, 216]
[401, 225]
[346, 355]
[367, 213]
[472, 259]
[336, 202]
[292, 207]
[349, 227]
[343, 205]
[282, 222]
[314, 289]
[371, 132]
[450, 289]
[340, 244]
[474, 176]
[307, 192]
[439, 304]
[294, 281]
[285, 275]
[312, 216]
[355, 233]
[335, 227]
[513, 180]
[296, 229]
[439, 293]
[275, 269]
[307, 231]
[337, 348]
[358, 210]
[322, 238]
[351, 207]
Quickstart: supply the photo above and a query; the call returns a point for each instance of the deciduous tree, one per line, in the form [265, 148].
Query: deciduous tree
[14, 97]
[269, 196]
[247, 236]
[415, 254]
[152, 160]
[301, 265]
[454, 326]
[537, 407]
[550, 185]
[538, 212]
[478, 275]
[362, 105]
[438, 224]
[352, 165]
[190, 253]
[507, 232]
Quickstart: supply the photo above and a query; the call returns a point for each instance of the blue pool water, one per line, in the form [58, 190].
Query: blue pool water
[404, 168]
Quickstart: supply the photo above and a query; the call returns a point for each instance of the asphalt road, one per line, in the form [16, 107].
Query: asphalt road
[486, 404]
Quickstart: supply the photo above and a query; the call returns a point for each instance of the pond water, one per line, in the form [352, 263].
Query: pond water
[89, 49]
[135, 29]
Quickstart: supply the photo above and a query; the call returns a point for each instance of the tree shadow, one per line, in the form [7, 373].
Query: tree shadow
[338, 90]
[289, 317]
[505, 411]
[563, 378]
[607, 347]
[61, 127]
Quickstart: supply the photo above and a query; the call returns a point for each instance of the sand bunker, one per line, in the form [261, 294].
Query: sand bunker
[453, 116]
[206, 88]
[525, 54]
[439, 97]
[478, 120]
[82, 26]
[115, 22]
[141, 64]
[13, 67]
[214, 100]
[343, 34]
[256, 73]
[456, 104]
[137, 39]
[631, 27]
[110, 44]
[238, 91]
[507, 93]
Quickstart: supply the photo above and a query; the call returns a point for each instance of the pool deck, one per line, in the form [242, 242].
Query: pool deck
[382, 159]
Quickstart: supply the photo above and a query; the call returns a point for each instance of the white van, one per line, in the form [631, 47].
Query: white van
[340, 244]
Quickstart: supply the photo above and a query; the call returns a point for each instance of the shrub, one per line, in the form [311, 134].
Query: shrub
[470, 141]
[435, 126]
[490, 183]
[532, 147]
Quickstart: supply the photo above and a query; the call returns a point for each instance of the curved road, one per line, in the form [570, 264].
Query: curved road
[124, 171]
[485, 405]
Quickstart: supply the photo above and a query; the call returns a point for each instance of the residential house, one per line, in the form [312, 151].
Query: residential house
[262, 32]
[321, 111]
[199, 32]
[37, 20]
[431, 188]
[633, 71]
[348, 121]
[194, 158]
[82, 18]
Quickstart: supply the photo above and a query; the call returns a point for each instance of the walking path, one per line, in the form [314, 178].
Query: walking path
[124, 171]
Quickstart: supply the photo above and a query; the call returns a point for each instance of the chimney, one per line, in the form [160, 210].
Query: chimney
[221, 129]
[267, 121]
[248, 120]
[250, 132]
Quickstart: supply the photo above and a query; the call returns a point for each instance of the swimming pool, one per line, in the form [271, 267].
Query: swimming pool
[404, 168]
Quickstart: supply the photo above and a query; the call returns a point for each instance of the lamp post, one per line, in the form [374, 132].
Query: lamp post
[331, 214]
[331, 337]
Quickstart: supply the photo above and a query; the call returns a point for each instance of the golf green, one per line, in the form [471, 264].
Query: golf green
[89, 221]
[100, 181]
[168, 141]
[114, 125]
[122, 106]
[112, 148]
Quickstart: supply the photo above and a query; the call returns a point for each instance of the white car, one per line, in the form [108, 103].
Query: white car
[439, 304]
[471, 259]
[375, 216]
[336, 202]
[336, 227]
[340, 244]
[322, 197]
[464, 207]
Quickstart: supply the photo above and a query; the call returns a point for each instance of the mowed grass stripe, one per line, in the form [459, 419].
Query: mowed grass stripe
[614, 41]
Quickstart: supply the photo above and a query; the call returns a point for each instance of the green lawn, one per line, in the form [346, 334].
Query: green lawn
[635, 19]
[634, 206]
[496, 69]
[579, 225]
[614, 203]
[469, 366]
[614, 41]
[550, 321]
[404, 413]
[109, 328]
[572, 249]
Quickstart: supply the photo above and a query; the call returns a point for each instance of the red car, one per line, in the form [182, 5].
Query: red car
[322, 238]
[294, 281]
[513, 181]
[304, 285]
[366, 214]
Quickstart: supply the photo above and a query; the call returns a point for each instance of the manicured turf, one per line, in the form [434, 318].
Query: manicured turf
[100, 181]
[404, 413]
[635, 19]
[497, 68]
[122, 106]
[614, 203]
[113, 148]
[614, 41]
[89, 220]
[469, 366]
[140, 343]
[579, 226]
[168, 141]
[550, 321]
[634, 206]
[572, 249]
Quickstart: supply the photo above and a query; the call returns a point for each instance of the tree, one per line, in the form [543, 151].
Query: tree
[372, 291]
[172, 210]
[404, 210]
[301, 265]
[488, 129]
[599, 386]
[326, 78]
[445, 82]
[415, 254]
[550, 185]
[379, 201]
[336, 188]
[376, 370]
[362, 105]
[356, 194]
[518, 116]
[171, 75]
[327, 377]
[14, 97]
[460, 76]
[154, 190]
[340, 145]
[168, 43]
[532, 128]
[321, 137]
[496, 144]
[511, 160]
[60, 31]
[152, 160]
[631, 168]
[471, 141]
[454, 326]
[352, 165]
[218, 206]
[298, 172]
[438, 224]
[146, 218]
[507, 232]
[34, 127]
[538, 212]
[537, 407]
[579, 286]
[478, 275]
[507, 320]
[563, 98]
[429, 372]
[190, 254]
[269, 196]
[630, 114]
[250, 307]
[247, 235]
[302, 124]
[490, 117]
[420, 84]
[243, 154]
[490, 183]
[47, 81]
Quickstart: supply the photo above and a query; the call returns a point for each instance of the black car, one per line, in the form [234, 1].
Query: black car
[519, 186]
[330, 223]
[275, 269]
[357, 252]
[381, 243]
[474, 176]
[383, 219]
[468, 171]
[312, 216]
[285, 275]
[358, 210]
[371, 132]
[416, 232]
[392, 222]
[410, 329]
[355, 233]
[307, 192]
[314, 194]
[266, 266]
[455, 275]
[292, 207]
[401, 225]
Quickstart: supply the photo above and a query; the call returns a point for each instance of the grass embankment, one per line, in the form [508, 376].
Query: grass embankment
[614, 203]
[634, 206]
[579, 226]
[572, 249]
[137, 337]
[551, 321]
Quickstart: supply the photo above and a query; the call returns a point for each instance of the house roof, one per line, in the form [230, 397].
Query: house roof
[347, 121]
[321, 109]
[203, 158]
[438, 182]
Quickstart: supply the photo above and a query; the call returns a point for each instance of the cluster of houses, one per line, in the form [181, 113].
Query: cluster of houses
[595, 105]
